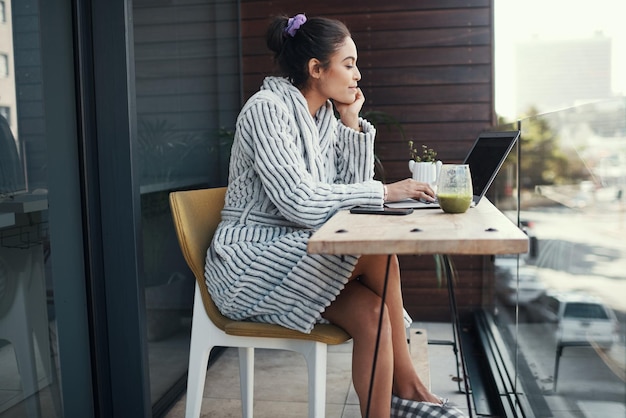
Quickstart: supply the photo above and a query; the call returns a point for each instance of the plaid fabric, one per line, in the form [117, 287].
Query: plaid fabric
[405, 408]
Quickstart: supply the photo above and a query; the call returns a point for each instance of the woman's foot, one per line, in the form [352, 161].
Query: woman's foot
[406, 408]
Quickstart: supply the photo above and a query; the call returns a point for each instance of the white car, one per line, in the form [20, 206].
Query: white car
[515, 285]
[586, 320]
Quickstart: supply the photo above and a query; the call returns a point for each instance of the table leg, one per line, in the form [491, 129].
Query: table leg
[380, 324]
[456, 326]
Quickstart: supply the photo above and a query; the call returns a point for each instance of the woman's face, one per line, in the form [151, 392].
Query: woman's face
[339, 80]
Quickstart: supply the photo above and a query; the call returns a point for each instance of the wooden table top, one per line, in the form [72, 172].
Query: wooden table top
[481, 230]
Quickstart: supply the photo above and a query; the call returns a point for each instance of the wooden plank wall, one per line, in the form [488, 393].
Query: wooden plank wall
[428, 64]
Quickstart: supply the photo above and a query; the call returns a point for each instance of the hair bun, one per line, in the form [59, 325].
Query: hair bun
[275, 36]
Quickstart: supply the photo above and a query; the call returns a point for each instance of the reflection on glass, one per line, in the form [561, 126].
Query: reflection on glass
[187, 87]
[11, 155]
[29, 384]
[569, 288]
[11, 167]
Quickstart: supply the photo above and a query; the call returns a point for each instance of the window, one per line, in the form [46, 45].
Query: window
[585, 310]
[3, 12]
[4, 65]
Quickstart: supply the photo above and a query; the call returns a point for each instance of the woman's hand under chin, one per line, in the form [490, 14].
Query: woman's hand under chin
[349, 112]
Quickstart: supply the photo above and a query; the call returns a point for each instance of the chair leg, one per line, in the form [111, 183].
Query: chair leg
[246, 380]
[196, 376]
[316, 363]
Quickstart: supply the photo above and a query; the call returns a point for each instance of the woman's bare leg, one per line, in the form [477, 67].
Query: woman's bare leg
[361, 300]
[357, 310]
[407, 383]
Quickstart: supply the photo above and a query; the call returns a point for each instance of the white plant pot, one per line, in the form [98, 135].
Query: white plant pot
[425, 172]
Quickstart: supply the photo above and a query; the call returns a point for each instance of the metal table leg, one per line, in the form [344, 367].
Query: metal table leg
[380, 323]
[456, 327]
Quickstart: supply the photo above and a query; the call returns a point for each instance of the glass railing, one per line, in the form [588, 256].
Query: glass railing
[561, 308]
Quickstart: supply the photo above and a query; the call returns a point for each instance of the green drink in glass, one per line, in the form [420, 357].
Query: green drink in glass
[454, 188]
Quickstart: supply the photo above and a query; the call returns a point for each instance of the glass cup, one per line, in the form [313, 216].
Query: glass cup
[454, 188]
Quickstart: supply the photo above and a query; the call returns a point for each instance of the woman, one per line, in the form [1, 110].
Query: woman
[293, 165]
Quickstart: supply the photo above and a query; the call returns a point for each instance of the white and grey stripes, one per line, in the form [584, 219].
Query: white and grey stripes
[288, 174]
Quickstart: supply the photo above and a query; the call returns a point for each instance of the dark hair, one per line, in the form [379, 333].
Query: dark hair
[318, 37]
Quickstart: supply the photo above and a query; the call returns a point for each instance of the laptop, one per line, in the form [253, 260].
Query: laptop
[484, 158]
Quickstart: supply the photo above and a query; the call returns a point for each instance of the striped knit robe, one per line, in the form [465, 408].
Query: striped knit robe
[289, 173]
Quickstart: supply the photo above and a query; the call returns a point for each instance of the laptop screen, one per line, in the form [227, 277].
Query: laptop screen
[484, 158]
[487, 156]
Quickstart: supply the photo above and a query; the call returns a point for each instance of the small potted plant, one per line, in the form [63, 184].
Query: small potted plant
[423, 164]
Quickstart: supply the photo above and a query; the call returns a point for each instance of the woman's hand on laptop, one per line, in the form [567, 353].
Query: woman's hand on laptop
[409, 188]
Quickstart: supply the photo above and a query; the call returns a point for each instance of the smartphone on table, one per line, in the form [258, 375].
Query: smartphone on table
[380, 210]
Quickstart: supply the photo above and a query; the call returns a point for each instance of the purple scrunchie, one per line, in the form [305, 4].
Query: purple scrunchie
[294, 23]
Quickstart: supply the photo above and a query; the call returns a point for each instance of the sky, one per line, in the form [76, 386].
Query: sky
[520, 20]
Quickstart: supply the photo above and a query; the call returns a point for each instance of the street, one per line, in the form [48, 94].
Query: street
[581, 250]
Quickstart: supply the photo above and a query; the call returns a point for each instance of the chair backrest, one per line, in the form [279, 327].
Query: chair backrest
[196, 215]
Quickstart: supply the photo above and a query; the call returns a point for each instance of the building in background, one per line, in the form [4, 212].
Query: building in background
[7, 75]
[554, 74]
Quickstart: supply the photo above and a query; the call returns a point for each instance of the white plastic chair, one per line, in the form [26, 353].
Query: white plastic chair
[196, 214]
